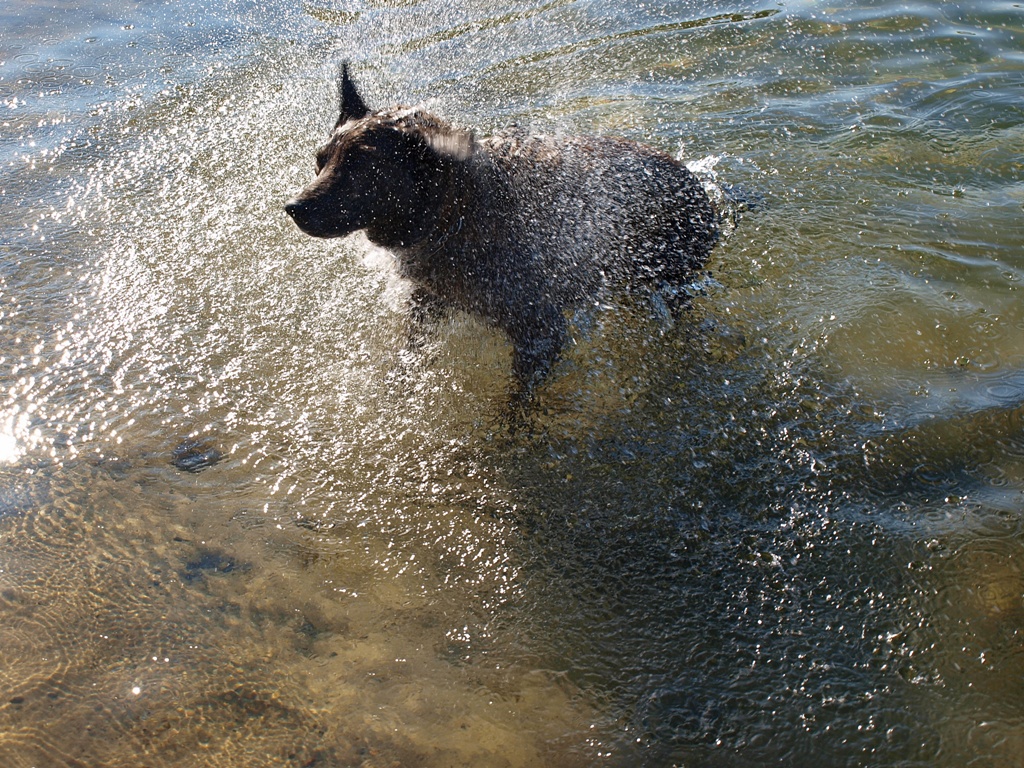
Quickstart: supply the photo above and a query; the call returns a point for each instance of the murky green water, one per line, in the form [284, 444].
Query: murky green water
[789, 531]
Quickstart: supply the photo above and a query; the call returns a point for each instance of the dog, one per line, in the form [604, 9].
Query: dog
[515, 229]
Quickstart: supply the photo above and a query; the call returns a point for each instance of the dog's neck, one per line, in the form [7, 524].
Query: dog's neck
[400, 231]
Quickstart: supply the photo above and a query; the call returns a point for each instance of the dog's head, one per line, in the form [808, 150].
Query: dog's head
[381, 171]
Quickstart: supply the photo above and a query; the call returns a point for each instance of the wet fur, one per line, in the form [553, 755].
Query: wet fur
[514, 229]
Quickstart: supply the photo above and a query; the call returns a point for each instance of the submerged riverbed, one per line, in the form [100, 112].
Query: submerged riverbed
[787, 530]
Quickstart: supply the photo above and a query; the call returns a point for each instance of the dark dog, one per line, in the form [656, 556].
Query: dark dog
[514, 229]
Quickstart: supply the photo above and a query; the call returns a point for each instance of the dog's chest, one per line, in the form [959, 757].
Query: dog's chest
[443, 268]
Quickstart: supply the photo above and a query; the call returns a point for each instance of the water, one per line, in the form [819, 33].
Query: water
[786, 531]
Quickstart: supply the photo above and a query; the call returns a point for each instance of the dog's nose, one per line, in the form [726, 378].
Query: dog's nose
[294, 207]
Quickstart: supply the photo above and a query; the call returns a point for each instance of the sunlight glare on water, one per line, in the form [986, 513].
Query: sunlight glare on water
[240, 526]
[9, 452]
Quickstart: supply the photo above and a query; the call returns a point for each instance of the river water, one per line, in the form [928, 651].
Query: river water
[787, 530]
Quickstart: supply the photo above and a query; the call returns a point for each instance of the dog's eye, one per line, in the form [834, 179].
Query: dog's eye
[321, 160]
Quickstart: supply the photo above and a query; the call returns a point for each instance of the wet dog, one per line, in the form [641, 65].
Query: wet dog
[515, 229]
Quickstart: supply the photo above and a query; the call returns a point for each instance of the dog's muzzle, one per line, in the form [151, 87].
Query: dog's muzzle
[305, 216]
[297, 209]
[318, 216]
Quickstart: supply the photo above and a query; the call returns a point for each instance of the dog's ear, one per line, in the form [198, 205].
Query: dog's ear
[352, 106]
[451, 144]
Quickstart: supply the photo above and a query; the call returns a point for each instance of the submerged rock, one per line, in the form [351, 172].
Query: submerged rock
[211, 561]
[196, 455]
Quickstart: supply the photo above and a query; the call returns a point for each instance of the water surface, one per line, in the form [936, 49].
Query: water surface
[787, 530]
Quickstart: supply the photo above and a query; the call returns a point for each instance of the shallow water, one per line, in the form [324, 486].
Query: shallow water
[787, 530]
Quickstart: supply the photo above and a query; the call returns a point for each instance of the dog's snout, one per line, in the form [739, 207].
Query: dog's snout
[309, 216]
[303, 214]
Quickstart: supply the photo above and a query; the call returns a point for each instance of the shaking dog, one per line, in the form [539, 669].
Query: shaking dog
[515, 229]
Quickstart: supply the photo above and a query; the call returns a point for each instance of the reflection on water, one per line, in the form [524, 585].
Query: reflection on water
[238, 528]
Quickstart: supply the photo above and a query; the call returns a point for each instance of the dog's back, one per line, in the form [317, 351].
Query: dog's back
[605, 212]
